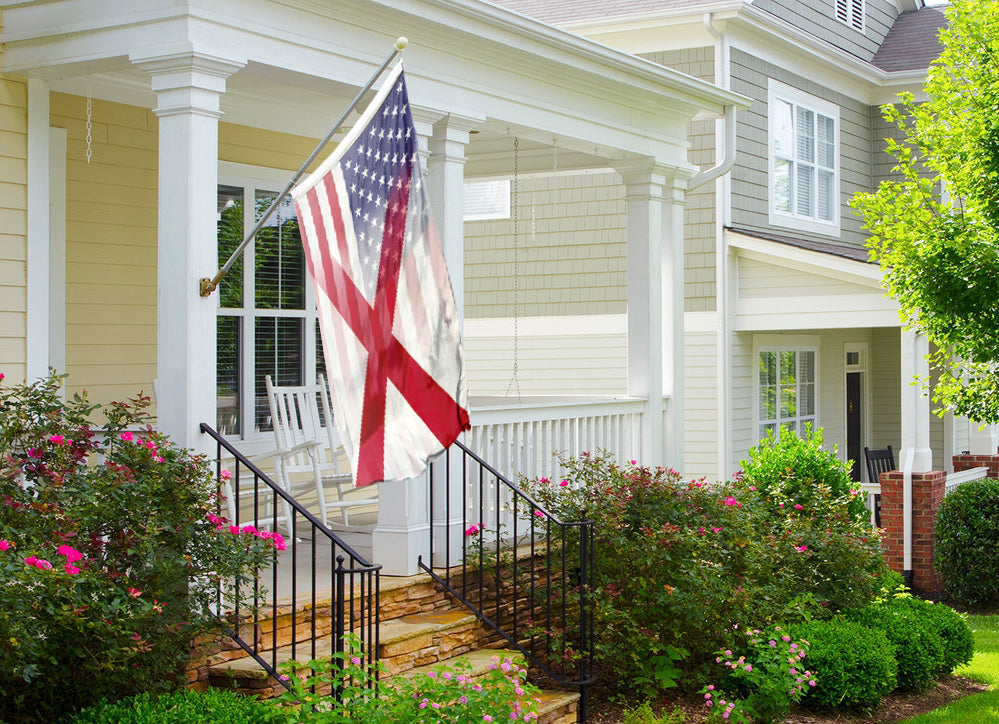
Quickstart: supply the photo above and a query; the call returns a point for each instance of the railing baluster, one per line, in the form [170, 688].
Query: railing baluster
[363, 619]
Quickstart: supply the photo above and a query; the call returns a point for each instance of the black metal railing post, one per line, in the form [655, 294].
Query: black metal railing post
[555, 585]
[344, 561]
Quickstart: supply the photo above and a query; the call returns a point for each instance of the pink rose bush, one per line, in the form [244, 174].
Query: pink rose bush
[111, 538]
[685, 568]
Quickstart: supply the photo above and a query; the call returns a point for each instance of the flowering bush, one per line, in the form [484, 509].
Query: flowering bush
[685, 568]
[447, 694]
[764, 681]
[111, 553]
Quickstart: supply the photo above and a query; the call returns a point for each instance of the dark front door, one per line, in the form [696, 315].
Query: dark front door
[854, 449]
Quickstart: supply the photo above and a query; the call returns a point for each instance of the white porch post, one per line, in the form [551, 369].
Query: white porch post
[188, 86]
[654, 196]
[915, 455]
[446, 169]
[984, 440]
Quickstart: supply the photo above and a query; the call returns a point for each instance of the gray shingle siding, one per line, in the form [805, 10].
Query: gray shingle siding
[750, 182]
[818, 18]
[699, 213]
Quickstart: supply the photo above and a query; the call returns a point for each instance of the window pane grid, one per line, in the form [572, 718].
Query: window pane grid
[804, 162]
[787, 391]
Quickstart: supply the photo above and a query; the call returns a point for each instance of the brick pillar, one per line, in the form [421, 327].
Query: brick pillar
[927, 491]
[966, 462]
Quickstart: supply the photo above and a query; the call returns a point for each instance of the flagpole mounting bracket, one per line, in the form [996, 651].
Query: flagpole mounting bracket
[207, 286]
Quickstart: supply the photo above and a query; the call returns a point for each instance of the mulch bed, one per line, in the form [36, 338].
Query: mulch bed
[895, 707]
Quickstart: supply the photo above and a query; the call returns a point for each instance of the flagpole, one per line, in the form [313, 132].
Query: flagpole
[210, 285]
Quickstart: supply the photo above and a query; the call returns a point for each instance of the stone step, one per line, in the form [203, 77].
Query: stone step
[558, 707]
[404, 643]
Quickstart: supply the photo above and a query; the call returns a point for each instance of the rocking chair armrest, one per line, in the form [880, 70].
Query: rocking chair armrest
[307, 446]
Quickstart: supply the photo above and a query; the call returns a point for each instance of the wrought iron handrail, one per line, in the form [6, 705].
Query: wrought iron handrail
[353, 588]
[523, 572]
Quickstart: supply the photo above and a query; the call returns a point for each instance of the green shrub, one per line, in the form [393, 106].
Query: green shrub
[795, 470]
[112, 550]
[966, 539]
[683, 569]
[955, 634]
[919, 648]
[854, 665]
[214, 706]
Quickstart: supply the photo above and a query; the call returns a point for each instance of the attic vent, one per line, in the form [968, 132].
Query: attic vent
[851, 12]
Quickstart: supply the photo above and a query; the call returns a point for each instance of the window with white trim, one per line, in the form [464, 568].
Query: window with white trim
[804, 160]
[851, 12]
[787, 390]
[266, 320]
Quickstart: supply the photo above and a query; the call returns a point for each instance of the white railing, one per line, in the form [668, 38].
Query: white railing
[965, 476]
[953, 480]
[522, 439]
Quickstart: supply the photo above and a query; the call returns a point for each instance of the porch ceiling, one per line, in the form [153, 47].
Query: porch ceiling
[304, 61]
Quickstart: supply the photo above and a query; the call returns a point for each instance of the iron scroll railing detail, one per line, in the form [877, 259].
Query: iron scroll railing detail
[340, 584]
[524, 573]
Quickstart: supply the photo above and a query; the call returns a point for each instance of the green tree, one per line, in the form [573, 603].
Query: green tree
[935, 229]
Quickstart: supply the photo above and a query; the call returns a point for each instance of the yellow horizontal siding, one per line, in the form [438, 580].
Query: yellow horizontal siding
[13, 224]
[111, 221]
[256, 147]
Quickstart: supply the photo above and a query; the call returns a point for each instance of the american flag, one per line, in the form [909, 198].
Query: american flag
[386, 309]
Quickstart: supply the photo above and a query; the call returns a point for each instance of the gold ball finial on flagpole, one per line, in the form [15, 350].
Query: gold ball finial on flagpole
[401, 42]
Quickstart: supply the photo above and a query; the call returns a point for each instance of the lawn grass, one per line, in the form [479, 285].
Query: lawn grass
[984, 667]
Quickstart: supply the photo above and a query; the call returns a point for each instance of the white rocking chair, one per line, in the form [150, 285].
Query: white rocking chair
[308, 450]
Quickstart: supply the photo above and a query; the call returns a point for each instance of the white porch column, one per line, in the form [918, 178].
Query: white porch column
[446, 167]
[915, 455]
[188, 86]
[984, 439]
[654, 194]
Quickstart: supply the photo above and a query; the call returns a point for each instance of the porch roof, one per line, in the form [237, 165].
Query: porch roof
[303, 60]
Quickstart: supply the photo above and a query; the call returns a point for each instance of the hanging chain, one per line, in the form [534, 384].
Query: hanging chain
[90, 122]
[514, 379]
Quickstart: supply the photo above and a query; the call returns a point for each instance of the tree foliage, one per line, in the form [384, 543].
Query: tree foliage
[935, 228]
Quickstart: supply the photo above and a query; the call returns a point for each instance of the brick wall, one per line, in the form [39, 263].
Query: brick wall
[927, 492]
[966, 462]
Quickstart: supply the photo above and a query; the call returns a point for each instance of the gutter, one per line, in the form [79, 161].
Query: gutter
[724, 165]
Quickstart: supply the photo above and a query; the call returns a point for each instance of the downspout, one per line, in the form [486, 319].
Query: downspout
[725, 128]
[721, 79]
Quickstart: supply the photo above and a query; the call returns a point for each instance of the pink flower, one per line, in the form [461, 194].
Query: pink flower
[472, 529]
[798, 506]
[126, 436]
[544, 481]
[34, 452]
[134, 592]
[56, 439]
[158, 459]
[72, 555]
[42, 564]
[355, 660]
[539, 513]
[226, 474]
[730, 501]
[801, 548]
[71, 569]
[4, 545]
[715, 530]
[30, 561]
[563, 484]
[633, 462]
[234, 529]
[248, 529]
[279, 542]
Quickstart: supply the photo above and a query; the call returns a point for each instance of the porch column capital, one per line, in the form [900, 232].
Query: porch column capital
[653, 179]
[187, 81]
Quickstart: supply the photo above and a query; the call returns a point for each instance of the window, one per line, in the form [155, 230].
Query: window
[486, 200]
[266, 317]
[804, 154]
[851, 12]
[786, 390]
